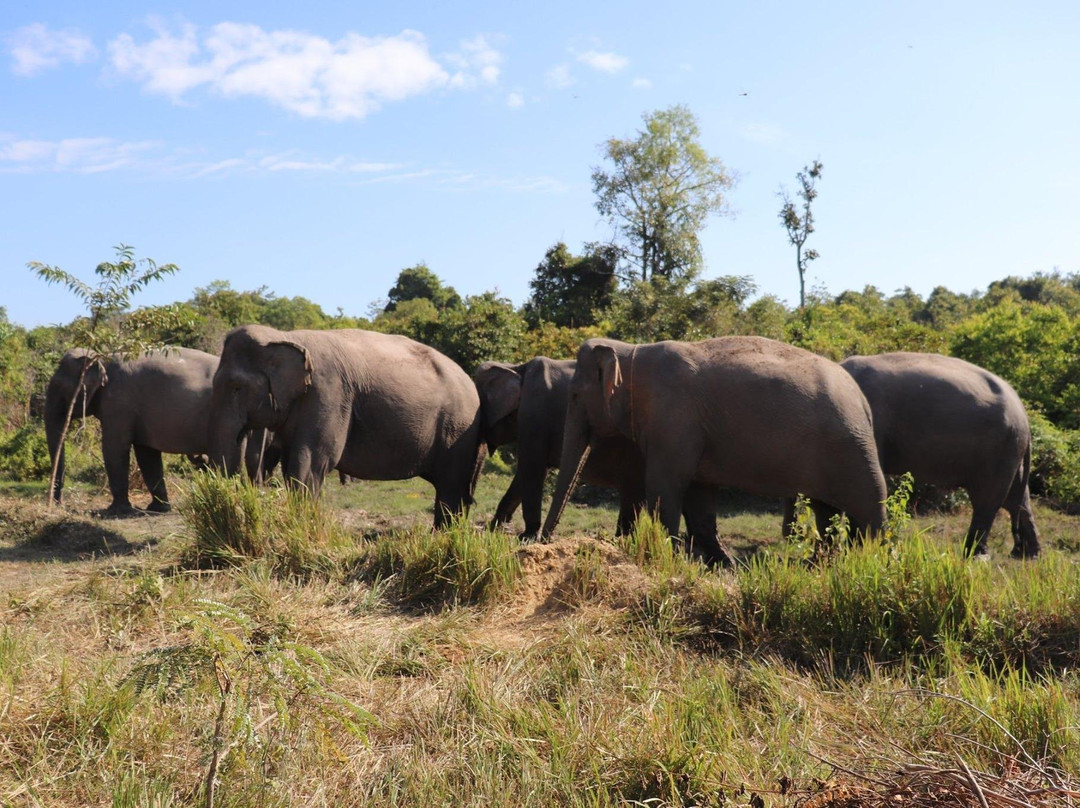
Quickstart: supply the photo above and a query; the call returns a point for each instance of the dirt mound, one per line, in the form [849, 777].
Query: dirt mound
[33, 532]
[568, 572]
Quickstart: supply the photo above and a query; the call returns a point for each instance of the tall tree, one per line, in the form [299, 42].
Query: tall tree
[568, 288]
[658, 192]
[800, 225]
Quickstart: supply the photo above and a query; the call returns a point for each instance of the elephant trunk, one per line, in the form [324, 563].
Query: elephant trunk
[226, 444]
[575, 453]
[56, 415]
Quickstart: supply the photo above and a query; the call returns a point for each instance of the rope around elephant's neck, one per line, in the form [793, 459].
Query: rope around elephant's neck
[630, 392]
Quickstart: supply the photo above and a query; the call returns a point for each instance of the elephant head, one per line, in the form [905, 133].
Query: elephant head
[256, 383]
[598, 408]
[499, 386]
[74, 388]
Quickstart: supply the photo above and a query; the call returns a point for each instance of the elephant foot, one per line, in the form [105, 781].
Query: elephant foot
[528, 537]
[158, 506]
[122, 511]
[1024, 553]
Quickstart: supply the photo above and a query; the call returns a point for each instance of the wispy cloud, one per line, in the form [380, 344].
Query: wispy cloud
[155, 160]
[72, 155]
[35, 48]
[515, 100]
[604, 62]
[641, 84]
[305, 74]
[477, 62]
[559, 77]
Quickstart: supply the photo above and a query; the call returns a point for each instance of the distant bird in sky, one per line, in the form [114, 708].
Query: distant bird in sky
[744, 94]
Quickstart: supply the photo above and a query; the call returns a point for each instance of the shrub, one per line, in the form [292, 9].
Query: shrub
[24, 454]
[1055, 461]
[459, 565]
[231, 519]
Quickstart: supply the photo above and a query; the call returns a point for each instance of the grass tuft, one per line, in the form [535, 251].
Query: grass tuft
[232, 520]
[457, 566]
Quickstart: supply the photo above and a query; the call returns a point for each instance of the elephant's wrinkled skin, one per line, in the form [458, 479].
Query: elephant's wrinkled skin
[953, 424]
[745, 412]
[375, 406]
[155, 403]
[526, 404]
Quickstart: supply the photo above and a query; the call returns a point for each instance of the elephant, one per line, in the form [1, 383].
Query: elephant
[526, 404]
[375, 406]
[157, 402]
[953, 424]
[746, 412]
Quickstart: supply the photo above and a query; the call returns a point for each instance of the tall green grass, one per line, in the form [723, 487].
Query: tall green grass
[458, 565]
[230, 519]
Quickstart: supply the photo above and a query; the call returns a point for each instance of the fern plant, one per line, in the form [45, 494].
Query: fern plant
[263, 684]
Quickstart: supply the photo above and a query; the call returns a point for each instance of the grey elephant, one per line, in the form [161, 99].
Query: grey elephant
[374, 406]
[526, 404]
[158, 402]
[953, 424]
[746, 412]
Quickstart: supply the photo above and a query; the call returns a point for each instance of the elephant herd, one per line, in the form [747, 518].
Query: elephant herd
[664, 423]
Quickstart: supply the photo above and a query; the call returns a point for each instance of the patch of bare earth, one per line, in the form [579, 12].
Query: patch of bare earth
[550, 590]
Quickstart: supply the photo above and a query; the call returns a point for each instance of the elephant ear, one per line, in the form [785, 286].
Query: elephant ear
[500, 388]
[607, 363]
[288, 369]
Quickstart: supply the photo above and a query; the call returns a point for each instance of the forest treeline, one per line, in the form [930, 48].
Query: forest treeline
[1026, 330]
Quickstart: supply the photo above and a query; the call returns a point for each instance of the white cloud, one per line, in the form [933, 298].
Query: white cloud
[559, 77]
[641, 84]
[515, 100]
[71, 155]
[604, 62]
[35, 48]
[309, 75]
[476, 62]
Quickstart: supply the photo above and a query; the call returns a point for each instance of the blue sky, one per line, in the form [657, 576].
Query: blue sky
[319, 148]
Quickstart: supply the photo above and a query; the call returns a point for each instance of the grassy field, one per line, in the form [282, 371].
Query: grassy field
[347, 656]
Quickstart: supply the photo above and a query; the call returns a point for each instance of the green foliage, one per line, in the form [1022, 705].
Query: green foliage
[24, 454]
[1033, 346]
[680, 308]
[799, 221]
[568, 289]
[103, 332]
[420, 283]
[456, 566]
[660, 190]
[231, 520]
[488, 327]
[1055, 461]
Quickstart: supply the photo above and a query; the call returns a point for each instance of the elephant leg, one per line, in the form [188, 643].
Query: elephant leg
[823, 516]
[702, 537]
[509, 503]
[664, 493]
[117, 455]
[787, 525]
[985, 502]
[301, 468]
[448, 504]
[1025, 535]
[631, 501]
[153, 474]
[530, 493]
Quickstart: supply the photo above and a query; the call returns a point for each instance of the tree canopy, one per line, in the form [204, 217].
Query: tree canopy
[657, 192]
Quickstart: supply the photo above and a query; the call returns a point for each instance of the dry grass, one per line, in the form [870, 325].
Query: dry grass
[587, 679]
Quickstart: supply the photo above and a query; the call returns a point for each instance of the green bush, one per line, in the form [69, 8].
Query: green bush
[1055, 461]
[24, 454]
